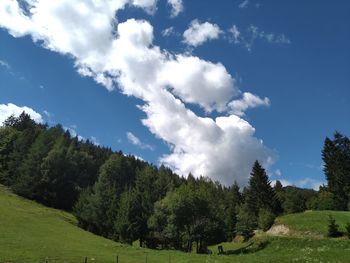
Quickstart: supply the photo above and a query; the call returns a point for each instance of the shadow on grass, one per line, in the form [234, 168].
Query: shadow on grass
[252, 247]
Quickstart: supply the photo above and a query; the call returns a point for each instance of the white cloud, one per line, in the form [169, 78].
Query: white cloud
[6, 110]
[136, 141]
[278, 172]
[309, 183]
[248, 100]
[94, 140]
[256, 33]
[176, 7]
[244, 4]
[4, 64]
[124, 55]
[198, 33]
[168, 32]
[235, 34]
[73, 131]
[282, 181]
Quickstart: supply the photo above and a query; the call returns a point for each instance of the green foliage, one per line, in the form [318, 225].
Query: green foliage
[294, 201]
[184, 216]
[347, 229]
[323, 201]
[246, 222]
[333, 227]
[266, 219]
[260, 194]
[336, 157]
[31, 232]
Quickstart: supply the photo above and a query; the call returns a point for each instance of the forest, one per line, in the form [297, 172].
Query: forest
[126, 199]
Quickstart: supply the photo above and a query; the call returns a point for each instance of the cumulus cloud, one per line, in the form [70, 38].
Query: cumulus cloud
[6, 110]
[123, 55]
[198, 33]
[247, 101]
[136, 141]
[176, 7]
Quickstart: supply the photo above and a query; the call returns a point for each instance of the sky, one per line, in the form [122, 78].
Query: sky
[204, 87]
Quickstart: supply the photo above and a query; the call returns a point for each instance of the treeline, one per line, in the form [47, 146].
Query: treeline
[126, 199]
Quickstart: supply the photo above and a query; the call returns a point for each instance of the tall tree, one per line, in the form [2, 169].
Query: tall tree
[260, 194]
[336, 157]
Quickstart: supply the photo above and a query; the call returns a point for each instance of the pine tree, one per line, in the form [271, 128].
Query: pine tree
[333, 227]
[336, 157]
[260, 194]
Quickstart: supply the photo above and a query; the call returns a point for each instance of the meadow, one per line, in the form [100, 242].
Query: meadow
[30, 232]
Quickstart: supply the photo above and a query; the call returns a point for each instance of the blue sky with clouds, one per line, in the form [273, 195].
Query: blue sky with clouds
[202, 86]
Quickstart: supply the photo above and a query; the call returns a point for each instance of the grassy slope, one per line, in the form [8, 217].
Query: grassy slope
[30, 232]
[314, 221]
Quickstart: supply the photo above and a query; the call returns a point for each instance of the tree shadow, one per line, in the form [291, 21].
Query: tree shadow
[252, 247]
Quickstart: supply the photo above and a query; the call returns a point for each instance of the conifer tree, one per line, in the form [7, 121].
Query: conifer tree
[260, 194]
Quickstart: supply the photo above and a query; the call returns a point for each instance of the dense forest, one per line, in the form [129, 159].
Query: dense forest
[126, 199]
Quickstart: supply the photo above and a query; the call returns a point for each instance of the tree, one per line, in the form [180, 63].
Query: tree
[185, 216]
[128, 222]
[265, 219]
[336, 157]
[294, 201]
[232, 202]
[260, 194]
[333, 228]
[246, 222]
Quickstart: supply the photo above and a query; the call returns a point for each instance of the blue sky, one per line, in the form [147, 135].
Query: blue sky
[292, 58]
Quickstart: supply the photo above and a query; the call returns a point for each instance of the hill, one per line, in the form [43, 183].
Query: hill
[31, 233]
[314, 222]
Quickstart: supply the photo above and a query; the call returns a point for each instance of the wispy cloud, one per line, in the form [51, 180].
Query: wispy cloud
[5, 64]
[244, 4]
[252, 34]
[136, 141]
[168, 32]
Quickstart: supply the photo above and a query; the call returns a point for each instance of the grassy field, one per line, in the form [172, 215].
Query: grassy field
[314, 221]
[31, 233]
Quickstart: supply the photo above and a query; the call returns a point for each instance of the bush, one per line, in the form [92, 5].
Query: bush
[333, 228]
[347, 228]
[266, 219]
[246, 222]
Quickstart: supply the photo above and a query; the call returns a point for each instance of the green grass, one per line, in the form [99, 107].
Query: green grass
[30, 232]
[314, 221]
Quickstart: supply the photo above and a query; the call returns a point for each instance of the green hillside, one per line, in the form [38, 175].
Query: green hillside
[30, 232]
[314, 221]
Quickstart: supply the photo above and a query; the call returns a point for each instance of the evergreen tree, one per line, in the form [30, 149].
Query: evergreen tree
[333, 227]
[336, 157]
[260, 194]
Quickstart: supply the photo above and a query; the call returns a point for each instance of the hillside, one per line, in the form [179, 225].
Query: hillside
[31, 232]
[313, 222]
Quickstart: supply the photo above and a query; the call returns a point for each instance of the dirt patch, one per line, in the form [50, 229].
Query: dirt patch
[278, 230]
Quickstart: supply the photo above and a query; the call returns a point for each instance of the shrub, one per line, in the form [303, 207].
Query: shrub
[347, 228]
[265, 219]
[333, 227]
